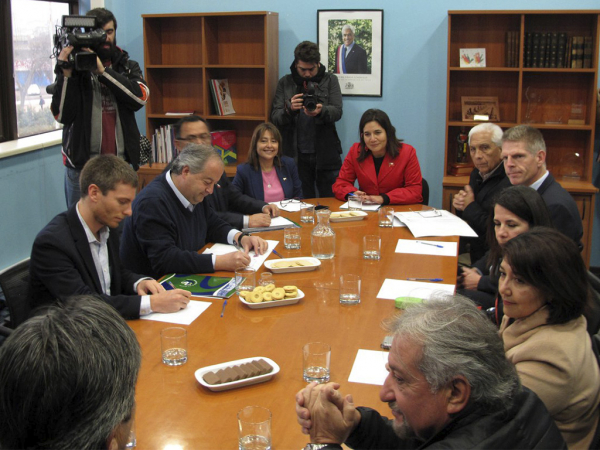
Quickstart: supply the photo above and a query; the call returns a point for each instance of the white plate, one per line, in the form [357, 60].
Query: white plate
[235, 384]
[333, 217]
[273, 303]
[314, 264]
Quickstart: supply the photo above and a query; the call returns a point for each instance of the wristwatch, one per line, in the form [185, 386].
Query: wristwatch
[238, 243]
[312, 446]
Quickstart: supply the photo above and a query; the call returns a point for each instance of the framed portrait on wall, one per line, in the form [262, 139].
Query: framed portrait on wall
[351, 46]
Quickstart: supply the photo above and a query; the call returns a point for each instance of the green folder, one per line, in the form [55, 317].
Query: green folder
[200, 285]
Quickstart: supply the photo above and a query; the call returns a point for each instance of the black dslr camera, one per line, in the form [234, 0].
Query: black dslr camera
[309, 99]
[78, 31]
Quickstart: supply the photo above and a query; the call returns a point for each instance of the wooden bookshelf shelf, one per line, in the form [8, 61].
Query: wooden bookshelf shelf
[183, 52]
[558, 87]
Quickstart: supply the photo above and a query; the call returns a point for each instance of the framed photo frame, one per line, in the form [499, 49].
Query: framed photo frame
[480, 109]
[351, 45]
[472, 57]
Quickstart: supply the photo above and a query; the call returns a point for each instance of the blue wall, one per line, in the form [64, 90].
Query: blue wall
[32, 193]
[414, 93]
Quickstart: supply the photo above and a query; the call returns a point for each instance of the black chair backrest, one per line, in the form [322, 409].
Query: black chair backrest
[14, 282]
[592, 314]
[425, 192]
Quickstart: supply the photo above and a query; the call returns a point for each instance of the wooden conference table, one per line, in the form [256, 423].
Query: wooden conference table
[175, 412]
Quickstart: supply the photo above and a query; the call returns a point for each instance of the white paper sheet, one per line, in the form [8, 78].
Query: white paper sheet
[420, 247]
[446, 224]
[182, 317]
[373, 207]
[369, 367]
[255, 260]
[291, 206]
[392, 289]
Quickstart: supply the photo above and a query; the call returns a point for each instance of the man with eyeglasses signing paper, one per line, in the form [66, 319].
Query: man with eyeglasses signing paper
[234, 207]
[170, 221]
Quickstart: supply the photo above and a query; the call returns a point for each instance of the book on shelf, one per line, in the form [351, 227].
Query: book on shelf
[587, 52]
[512, 48]
[552, 51]
[225, 141]
[527, 50]
[535, 49]
[568, 52]
[577, 52]
[163, 144]
[560, 51]
[221, 97]
[542, 50]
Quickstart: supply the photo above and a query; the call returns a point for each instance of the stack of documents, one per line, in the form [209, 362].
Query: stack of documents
[277, 223]
[435, 223]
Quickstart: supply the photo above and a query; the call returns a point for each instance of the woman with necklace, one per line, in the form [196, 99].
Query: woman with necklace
[387, 169]
[268, 175]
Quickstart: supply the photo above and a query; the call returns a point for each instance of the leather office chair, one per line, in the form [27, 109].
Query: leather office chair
[425, 193]
[14, 282]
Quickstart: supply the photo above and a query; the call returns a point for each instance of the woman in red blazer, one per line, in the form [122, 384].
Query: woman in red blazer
[387, 170]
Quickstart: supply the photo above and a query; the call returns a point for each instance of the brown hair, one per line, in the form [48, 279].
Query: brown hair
[106, 171]
[259, 132]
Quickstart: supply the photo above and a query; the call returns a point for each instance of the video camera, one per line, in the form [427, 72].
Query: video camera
[309, 100]
[78, 31]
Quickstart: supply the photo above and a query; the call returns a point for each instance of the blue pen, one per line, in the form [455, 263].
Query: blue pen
[168, 285]
[224, 305]
[351, 194]
[277, 254]
[425, 279]
[429, 243]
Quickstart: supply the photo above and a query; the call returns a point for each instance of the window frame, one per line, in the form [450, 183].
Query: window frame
[8, 108]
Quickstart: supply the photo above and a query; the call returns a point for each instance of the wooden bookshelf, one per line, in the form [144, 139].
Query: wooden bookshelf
[487, 29]
[182, 52]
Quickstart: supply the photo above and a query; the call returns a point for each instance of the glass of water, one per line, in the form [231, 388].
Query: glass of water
[372, 247]
[291, 238]
[354, 203]
[349, 289]
[316, 359]
[307, 214]
[254, 428]
[173, 342]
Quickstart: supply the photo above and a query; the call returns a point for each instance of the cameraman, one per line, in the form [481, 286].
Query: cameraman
[97, 107]
[308, 130]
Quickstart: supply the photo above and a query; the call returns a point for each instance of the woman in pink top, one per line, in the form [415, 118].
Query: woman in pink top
[268, 175]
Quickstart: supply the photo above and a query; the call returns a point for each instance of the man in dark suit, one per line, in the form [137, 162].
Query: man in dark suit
[76, 254]
[350, 57]
[524, 155]
[235, 208]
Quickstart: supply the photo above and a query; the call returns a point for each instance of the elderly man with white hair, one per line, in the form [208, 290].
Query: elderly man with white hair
[488, 178]
[350, 57]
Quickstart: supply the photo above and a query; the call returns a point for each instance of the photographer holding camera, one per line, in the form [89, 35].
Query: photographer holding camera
[306, 106]
[96, 103]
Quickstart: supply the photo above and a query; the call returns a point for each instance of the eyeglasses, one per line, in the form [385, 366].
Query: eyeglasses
[193, 138]
[428, 213]
[289, 201]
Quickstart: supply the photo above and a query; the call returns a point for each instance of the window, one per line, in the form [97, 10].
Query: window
[26, 69]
